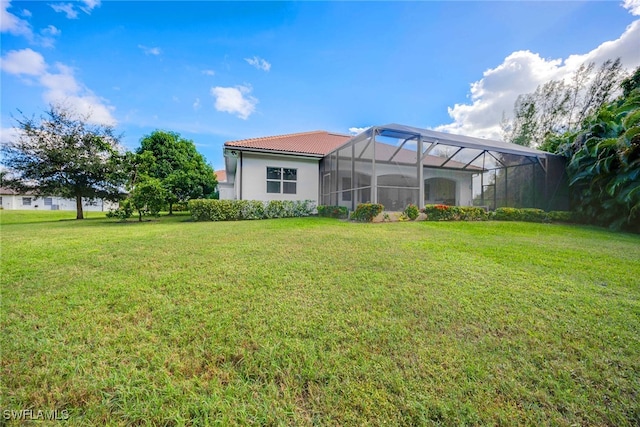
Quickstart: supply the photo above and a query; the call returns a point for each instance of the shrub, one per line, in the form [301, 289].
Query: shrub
[180, 207]
[440, 212]
[473, 213]
[251, 209]
[455, 213]
[123, 212]
[233, 210]
[340, 212]
[365, 212]
[515, 214]
[560, 216]
[411, 212]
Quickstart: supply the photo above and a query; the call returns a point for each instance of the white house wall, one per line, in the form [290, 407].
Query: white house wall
[253, 177]
[463, 181]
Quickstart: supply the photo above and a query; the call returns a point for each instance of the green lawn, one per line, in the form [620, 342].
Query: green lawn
[318, 321]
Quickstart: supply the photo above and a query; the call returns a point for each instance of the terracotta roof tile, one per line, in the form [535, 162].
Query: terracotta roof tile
[221, 175]
[316, 142]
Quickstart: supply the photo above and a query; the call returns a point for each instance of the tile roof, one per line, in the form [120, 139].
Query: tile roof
[317, 142]
[221, 175]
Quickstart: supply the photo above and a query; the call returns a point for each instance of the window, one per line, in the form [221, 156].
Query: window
[26, 201]
[282, 180]
[48, 201]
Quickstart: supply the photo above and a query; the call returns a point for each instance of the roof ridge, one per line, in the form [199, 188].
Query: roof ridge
[286, 135]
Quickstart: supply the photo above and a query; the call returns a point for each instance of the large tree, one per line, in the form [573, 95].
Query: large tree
[63, 154]
[560, 106]
[177, 164]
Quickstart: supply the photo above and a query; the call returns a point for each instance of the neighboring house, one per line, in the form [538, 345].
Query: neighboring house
[12, 200]
[394, 165]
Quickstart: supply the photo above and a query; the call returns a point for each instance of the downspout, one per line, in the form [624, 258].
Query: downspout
[420, 174]
[240, 183]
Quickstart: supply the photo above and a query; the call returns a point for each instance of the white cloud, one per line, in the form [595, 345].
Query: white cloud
[60, 85]
[8, 135]
[25, 61]
[209, 72]
[150, 50]
[196, 104]
[47, 36]
[66, 8]
[633, 6]
[51, 31]
[235, 100]
[89, 5]
[521, 72]
[9, 23]
[26, 13]
[70, 11]
[356, 130]
[258, 63]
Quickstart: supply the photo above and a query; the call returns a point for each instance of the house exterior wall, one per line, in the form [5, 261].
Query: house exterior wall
[462, 179]
[226, 191]
[252, 176]
[18, 202]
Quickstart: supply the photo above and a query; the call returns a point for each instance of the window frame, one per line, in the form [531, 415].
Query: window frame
[281, 181]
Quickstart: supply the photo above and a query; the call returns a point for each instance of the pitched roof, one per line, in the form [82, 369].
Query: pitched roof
[316, 143]
[221, 175]
[8, 191]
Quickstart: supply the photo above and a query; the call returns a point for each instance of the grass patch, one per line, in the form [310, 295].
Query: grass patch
[317, 321]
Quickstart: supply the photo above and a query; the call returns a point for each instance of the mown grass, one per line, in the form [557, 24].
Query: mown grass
[318, 321]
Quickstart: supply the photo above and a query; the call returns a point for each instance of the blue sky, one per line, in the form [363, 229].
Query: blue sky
[218, 71]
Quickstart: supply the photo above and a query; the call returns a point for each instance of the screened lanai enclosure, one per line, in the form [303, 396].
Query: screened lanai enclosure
[396, 165]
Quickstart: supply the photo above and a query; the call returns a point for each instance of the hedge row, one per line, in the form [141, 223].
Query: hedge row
[234, 210]
[531, 215]
[454, 213]
[340, 212]
[471, 213]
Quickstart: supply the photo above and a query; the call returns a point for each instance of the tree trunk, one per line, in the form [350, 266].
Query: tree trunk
[170, 208]
[140, 216]
[79, 213]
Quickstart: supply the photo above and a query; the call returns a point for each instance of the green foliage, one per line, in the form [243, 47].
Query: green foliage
[454, 213]
[181, 169]
[412, 212]
[365, 212]
[473, 213]
[123, 212]
[62, 154]
[148, 197]
[560, 216]
[340, 212]
[518, 214]
[234, 210]
[604, 165]
[560, 106]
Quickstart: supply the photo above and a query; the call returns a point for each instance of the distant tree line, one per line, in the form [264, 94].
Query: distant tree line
[63, 154]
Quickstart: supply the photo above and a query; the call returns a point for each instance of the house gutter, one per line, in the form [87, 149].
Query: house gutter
[287, 153]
